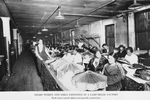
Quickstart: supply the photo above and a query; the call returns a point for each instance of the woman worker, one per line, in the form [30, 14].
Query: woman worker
[131, 57]
[42, 52]
[114, 75]
[97, 62]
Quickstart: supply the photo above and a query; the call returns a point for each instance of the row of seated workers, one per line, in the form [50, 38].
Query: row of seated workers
[94, 59]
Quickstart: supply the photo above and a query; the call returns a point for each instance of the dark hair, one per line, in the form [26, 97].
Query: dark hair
[130, 48]
[104, 45]
[39, 39]
[94, 49]
[121, 46]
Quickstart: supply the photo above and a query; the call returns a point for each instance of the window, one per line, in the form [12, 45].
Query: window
[142, 30]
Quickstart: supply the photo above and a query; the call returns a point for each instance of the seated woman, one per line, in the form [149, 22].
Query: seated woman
[122, 51]
[86, 56]
[42, 52]
[105, 49]
[96, 63]
[93, 49]
[131, 57]
[113, 73]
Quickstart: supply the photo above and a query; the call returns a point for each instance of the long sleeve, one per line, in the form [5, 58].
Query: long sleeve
[113, 75]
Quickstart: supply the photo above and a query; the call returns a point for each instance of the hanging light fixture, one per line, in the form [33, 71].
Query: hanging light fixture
[46, 36]
[77, 25]
[60, 16]
[135, 5]
[44, 29]
[51, 34]
[34, 37]
[39, 33]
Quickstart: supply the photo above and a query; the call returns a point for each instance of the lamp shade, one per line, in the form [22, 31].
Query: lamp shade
[39, 33]
[44, 29]
[135, 5]
[77, 25]
[59, 15]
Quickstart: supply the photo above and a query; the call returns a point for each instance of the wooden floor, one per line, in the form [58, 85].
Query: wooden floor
[25, 76]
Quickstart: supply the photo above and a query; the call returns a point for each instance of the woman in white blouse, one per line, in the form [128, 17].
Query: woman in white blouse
[131, 57]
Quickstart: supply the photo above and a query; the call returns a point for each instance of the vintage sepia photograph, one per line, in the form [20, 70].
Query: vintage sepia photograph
[75, 49]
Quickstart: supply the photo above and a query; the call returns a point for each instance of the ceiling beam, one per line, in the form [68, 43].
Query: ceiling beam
[83, 15]
[87, 14]
[47, 3]
[48, 18]
[101, 7]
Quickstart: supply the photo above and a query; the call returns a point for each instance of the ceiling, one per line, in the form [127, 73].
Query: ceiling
[29, 16]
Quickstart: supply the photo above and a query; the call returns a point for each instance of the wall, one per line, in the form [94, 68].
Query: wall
[121, 32]
[95, 28]
[98, 29]
[131, 29]
[66, 36]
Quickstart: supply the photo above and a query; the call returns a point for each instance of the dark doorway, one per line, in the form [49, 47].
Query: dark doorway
[110, 37]
[2, 52]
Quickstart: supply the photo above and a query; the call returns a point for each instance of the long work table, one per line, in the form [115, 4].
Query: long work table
[134, 83]
[52, 83]
[49, 81]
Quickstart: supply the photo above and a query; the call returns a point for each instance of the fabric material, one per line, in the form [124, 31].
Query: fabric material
[90, 80]
[77, 58]
[68, 57]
